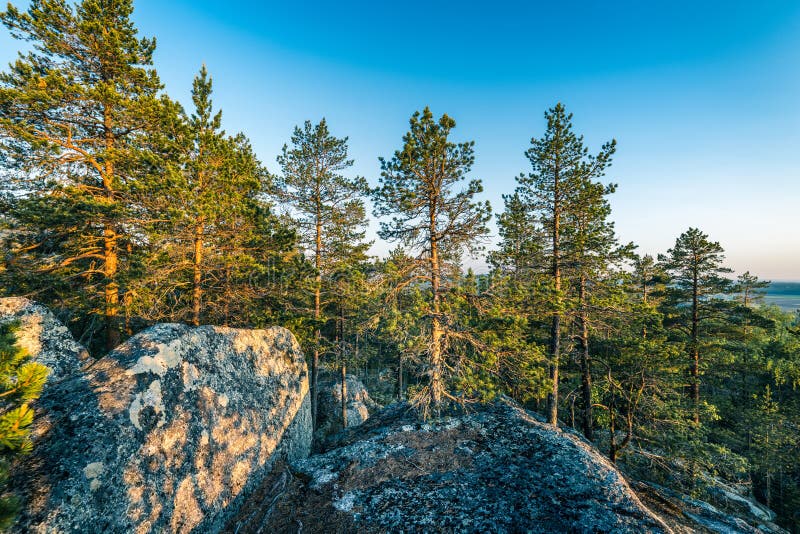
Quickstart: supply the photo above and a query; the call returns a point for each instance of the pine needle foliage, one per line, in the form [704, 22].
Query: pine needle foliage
[21, 382]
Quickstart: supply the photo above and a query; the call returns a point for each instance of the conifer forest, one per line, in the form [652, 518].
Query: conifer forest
[121, 208]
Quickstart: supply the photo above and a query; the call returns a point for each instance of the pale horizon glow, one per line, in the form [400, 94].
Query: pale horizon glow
[704, 101]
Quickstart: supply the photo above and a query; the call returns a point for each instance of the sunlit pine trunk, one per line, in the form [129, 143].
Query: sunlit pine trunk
[127, 298]
[437, 333]
[110, 237]
[585, 361]
[197, 278]
[555, 328]
[226, 307]
[344, 395]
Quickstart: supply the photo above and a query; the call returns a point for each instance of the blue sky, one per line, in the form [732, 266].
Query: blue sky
[702, 97]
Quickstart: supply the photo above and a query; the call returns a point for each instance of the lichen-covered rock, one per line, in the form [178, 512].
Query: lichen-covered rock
[688, 515]
[43, 336]
[169, 433]
[497, 469]
[739, 499]
[329, 410]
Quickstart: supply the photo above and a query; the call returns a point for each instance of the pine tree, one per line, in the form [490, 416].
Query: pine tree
[72, 110]
[212, 249]
[520, 251]
[252, 252]
[647, 282]
[592, 254]
[348, 285]
[21, 382]
[203, 177]
[438, 223]
[561, 169]
[750, 290]
[396, 316]
[641, 371]
[697, 281]
[326, 205]
[517, 287]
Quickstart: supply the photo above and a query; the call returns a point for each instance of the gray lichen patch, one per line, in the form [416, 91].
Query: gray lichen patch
[149, 399]
[93, 470]
[167, 356]
[171, 432]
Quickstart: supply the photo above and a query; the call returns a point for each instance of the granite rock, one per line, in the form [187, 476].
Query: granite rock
[498, 469]
[329, 411]
[170, 432]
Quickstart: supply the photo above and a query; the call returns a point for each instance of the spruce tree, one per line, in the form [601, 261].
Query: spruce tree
[438, 223]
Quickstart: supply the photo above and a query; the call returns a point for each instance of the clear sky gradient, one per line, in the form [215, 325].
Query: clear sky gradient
[703, 97]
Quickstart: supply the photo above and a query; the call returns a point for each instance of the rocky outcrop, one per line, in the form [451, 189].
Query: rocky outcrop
[44, 337]
[329, 411]
[498, 469]
[733, 514]
[171, 432]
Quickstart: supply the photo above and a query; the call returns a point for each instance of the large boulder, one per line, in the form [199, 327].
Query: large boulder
[329, 409]
[496, 469]
[171, 432]
[44, 337]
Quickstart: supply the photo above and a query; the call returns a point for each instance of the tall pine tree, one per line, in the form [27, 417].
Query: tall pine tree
[438, 222]
[593, 254]
[327, 207]
[561, 169]
[71, 112]
[697, 282]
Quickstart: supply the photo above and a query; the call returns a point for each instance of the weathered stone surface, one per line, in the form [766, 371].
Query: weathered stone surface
[498, 469]
[329, 411]
[169, 433]
[687, 515]
[43, 336]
